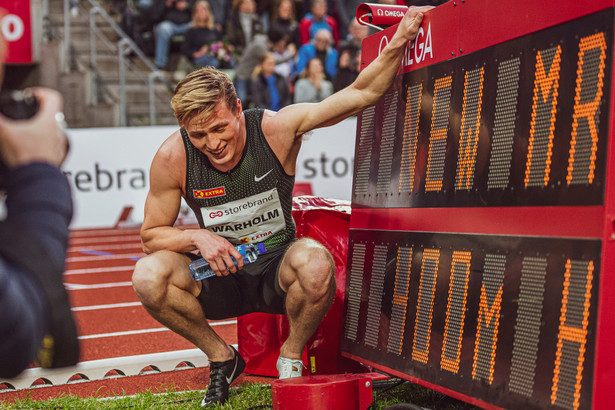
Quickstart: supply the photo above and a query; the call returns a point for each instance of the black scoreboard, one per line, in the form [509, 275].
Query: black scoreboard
[481, 226]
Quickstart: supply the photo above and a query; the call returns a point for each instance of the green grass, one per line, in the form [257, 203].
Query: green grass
[250, 396]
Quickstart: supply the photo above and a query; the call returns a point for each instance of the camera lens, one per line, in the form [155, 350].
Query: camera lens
[18, 104]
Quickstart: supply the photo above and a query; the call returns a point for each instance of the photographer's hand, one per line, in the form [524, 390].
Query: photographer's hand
[39, 139]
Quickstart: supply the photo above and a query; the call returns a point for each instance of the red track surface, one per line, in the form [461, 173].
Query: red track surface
[98, 272]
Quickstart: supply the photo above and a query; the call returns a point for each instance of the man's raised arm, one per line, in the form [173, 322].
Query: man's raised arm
[366, 90]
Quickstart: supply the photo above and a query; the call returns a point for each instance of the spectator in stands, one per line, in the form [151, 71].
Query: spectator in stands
[283, 52]
[269, 89]
[322, 49]
[197, 46]
[313, 86]
[348, 68]
[317, 20]
[356, 34]
[173, 17]
[243, 25]
[248, 61]
[36, 317]
[349, 63]
[283, 19]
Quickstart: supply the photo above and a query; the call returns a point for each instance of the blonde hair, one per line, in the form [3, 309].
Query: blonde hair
[210, 24]
[199, 93]
[259, 68]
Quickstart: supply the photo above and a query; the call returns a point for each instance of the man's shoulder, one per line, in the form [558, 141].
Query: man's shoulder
[172, 146]
[307, 48]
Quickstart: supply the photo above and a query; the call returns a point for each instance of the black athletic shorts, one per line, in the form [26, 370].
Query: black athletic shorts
[255, 288]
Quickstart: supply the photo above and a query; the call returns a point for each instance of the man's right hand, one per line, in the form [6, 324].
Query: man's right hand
[39, 139]
[409, 25]
[217, 251]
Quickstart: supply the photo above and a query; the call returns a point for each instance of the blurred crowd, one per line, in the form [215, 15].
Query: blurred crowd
[277, 51]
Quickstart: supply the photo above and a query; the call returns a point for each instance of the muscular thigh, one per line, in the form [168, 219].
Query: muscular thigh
[307, 260]
[163, 268]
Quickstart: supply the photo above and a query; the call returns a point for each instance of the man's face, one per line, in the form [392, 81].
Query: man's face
[321, 41]
[319, 9]
[218, 136]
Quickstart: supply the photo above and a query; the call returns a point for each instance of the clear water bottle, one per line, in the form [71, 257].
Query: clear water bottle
[200, 269]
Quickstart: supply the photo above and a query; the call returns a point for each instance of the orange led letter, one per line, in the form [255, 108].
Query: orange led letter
[470, 125]
[455, 311]
[439, 130]
[575, 299]
[590, 73]
[488, 323]
[400, 300]
[544, 108]
[424, 309]
[410, 137]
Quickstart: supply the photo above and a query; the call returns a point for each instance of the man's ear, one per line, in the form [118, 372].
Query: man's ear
[239, 107]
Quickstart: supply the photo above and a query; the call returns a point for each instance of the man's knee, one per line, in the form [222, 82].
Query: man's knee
[150, 279]
[314, 267]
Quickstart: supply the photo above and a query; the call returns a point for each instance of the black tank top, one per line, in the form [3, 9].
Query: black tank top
[251, 203]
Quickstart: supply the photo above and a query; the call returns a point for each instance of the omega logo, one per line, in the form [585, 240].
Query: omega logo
[418, 50]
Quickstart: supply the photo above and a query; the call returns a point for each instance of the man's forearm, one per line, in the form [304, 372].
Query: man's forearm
[167, 238]
[377, 77]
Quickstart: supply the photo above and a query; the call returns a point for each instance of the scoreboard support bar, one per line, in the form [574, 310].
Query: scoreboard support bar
[482, 241]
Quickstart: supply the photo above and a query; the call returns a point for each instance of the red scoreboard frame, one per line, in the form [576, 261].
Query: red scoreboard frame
[483, 221]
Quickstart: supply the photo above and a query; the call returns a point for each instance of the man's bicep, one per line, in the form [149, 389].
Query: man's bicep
[164, 197]
[161, 209]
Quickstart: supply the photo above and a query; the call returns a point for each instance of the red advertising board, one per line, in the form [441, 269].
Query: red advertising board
[16, 26]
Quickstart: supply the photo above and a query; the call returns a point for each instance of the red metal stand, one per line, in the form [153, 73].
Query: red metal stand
[336, 391]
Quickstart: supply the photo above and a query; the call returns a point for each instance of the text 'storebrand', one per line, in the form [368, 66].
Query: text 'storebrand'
[209, 193]
[249, 219]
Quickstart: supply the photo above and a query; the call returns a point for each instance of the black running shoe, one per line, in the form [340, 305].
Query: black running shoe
[221, 375]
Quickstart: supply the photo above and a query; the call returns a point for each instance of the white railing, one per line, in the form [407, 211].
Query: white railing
[124, 46]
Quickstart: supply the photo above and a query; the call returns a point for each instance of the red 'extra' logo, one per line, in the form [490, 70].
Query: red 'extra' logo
[213, 215]
[209, 193]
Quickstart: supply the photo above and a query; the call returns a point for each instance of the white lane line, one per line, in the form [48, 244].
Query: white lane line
[76, 286]
[99, 270]
[155, 330]
[109, 306]
[104, 257]
[130, 332]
